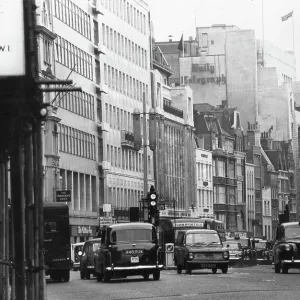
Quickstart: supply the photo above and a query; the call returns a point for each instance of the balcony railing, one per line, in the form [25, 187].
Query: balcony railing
[224, 181]
[173, 111]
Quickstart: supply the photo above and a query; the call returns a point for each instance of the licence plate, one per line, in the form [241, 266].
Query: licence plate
[134, 259]
[208, 266]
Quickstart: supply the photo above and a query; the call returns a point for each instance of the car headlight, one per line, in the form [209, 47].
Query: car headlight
[287, 247]
[226, 255]
[191, 255]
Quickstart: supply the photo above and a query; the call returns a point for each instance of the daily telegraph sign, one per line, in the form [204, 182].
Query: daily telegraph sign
[12, 47]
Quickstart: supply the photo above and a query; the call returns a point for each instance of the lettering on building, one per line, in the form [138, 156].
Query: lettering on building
[5, 48]
[204, 80]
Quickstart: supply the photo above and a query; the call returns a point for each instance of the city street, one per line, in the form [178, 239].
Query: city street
[258, 282]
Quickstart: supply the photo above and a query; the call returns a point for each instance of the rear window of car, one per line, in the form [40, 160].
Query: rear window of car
[292, 232]
[202, 238]
[132, 235]
[234, 246]
[260, 245]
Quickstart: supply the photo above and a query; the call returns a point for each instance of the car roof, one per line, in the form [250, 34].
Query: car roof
[287, 224]
[200, 231]
[131, 225]
[98, 240]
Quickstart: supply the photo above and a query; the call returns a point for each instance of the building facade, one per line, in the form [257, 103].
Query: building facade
[204, 174]
[250, 197]
[125, 70]
[227, 149]
[175, 147]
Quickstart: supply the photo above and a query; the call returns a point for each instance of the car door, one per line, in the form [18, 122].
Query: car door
[278, 241]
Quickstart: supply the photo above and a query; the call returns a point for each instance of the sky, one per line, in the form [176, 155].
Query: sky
[177, 17]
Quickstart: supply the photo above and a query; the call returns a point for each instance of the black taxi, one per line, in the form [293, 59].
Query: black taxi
[128, 249]
[200, 249]
[286, 249]
[87, 258]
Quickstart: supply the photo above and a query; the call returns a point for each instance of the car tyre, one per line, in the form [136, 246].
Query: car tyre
[277, 267]
[82, 275]
[156, 275]
[87, 275]
[66, 276]
[98, 277]
[188, 271]
[225, 270]
[146, 276]
[106, 276]
[285, 269]
[179, 269]
[214, 270]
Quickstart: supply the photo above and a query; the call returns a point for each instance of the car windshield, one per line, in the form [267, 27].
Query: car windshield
[292, 232]
[132, 235]
[260, 245]
[233, 246]
[244, 243]
[202, 239]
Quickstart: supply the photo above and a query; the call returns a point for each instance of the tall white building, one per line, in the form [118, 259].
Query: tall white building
[103, 46]
[124, 32]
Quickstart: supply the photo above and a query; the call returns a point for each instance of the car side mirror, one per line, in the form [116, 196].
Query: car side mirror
[79, 253]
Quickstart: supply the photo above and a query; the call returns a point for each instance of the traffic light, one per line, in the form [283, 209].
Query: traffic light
[152, 202]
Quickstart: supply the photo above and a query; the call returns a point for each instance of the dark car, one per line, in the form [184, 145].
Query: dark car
[248, 251]
[262, 251]
[200, 249]
[128, 249]
[87, 258]
[235, 250]
[286, 251]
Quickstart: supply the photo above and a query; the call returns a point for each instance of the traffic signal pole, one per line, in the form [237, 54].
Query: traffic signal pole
[145, 146]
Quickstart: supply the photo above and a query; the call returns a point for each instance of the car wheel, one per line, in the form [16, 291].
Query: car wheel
[98, 277]
[146, 276]
[106, 276]
[188, 271]
[87, 275]
[82, 275]
[214, 270]
[225, 270]
[66, 276]
[277, 267]
[285, 269]
[156, 275]
[179, 269]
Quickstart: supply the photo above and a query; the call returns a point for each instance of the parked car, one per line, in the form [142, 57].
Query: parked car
[200, 249]
[286, 251]
[128, 249]
[75, 257]
[87, 258]
[235, 250]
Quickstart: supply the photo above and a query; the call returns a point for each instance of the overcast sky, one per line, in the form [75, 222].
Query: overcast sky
[176, 17]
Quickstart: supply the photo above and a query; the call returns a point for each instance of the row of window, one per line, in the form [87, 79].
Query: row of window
[127, 159]
[250, 179]
[125, 84]
[76, 142]
[123, 197]
[124, 47]
[75, 17]
[74, 58]
[204, 171]
[205, 198]
[128, 13]
[80, 103]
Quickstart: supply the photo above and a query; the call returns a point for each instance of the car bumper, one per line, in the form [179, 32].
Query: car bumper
[235, 258]
[135, 268]
[295, 263]
[207, 264]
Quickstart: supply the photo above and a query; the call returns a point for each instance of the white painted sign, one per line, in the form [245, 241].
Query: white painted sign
[106, 207]
[105, 221]
[12, 47]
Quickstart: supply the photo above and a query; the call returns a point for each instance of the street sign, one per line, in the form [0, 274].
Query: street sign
[105, 221]
[63, 195]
